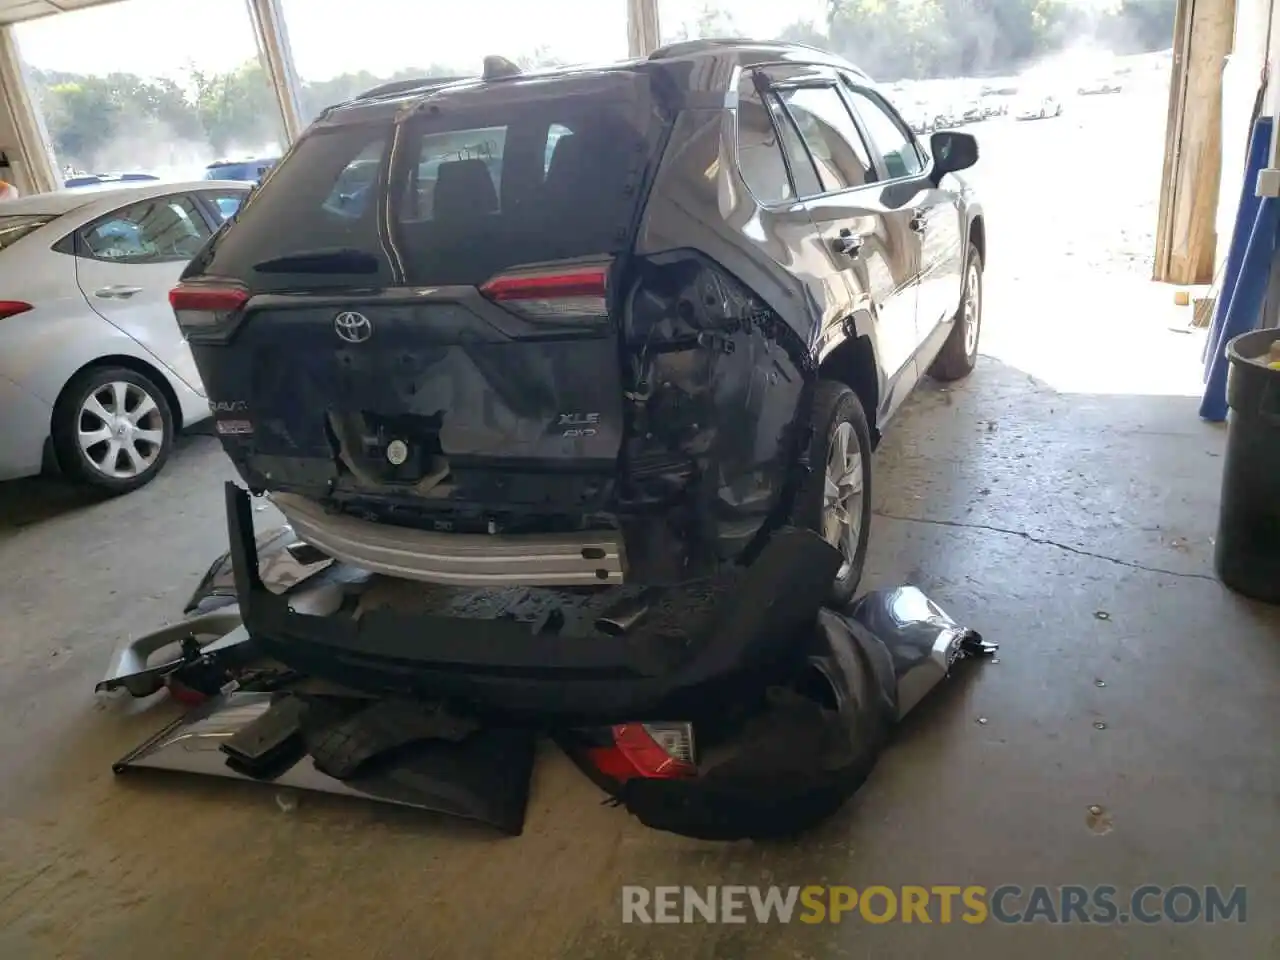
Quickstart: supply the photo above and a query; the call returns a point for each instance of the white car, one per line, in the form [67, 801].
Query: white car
[1038, 108]
[95, 377]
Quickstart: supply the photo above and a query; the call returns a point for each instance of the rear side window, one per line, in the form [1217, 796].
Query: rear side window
[759, 153]
[13, 229]
[151, 231]
[831, 135]
[474, 189]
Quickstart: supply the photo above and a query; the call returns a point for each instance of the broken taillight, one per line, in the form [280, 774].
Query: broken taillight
[655, 751]
[561, 293]
[202, 306]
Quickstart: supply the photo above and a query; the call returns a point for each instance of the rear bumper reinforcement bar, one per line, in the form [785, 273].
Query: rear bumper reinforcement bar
[529, 560]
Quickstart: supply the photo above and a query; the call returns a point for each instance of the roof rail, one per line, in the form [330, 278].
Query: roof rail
[685, 47]
[404, 86]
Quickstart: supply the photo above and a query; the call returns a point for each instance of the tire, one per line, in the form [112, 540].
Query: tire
[959, 353]
[142, 441]
[837, 411]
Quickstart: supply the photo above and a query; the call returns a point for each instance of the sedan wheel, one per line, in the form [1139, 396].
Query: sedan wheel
[112, 428]
[120, 431]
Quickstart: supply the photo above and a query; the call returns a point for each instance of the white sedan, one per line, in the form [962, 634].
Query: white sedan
[95, 378]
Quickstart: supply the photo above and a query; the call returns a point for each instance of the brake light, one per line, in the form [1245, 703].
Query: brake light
[654, 751]
[11, 308]
[561, 293]
[202, 306]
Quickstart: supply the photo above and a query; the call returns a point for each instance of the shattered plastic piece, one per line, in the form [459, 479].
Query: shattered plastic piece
[1102, 615]
[982, 720]
[793, 760]
[1099, 725]
[287, 802]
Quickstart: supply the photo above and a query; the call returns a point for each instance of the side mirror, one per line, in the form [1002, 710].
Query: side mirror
[952, 151]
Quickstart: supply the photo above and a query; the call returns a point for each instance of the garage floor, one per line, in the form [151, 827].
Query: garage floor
[1052, 486]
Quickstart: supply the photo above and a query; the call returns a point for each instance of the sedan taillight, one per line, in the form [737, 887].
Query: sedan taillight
[11, 308]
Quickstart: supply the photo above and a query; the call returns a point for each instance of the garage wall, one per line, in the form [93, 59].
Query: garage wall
[23, 138]
[1241, 79]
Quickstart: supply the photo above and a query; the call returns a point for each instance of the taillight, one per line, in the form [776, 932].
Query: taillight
[201, 306]
[11, 308]
[565, 293]
[655, 751]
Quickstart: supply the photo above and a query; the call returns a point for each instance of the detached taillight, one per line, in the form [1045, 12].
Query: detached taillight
[200, 306]
[11, 308]
[654, 751]
[566, 293]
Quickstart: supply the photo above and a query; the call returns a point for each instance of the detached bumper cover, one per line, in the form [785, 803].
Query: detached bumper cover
[798, 761]
[500, 667]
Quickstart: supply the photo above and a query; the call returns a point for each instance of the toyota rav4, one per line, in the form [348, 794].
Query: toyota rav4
[589, 326]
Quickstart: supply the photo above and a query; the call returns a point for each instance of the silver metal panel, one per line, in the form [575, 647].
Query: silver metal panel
[457, 559]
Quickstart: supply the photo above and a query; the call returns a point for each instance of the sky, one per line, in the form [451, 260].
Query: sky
[328, 39]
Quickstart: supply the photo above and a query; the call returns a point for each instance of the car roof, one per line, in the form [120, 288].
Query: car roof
[65, 201]
[718, 58]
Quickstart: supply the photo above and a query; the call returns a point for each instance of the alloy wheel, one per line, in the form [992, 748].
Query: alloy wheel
[120, 430]
[972, 316]
[842, 496]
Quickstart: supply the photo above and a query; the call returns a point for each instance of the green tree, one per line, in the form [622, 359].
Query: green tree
[237, 109]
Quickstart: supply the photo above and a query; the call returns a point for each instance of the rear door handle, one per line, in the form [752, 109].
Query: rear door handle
[848, 244]
[116, 291]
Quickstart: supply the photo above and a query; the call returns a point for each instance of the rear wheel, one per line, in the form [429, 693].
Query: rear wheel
[112, 429]
[835, 500]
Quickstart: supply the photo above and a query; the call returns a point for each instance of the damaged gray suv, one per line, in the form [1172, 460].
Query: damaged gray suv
[590, 326]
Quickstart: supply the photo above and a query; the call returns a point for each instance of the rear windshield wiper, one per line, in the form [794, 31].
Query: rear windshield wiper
[333, 259]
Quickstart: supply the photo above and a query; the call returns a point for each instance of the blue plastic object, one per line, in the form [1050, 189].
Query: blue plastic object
[1248, 268]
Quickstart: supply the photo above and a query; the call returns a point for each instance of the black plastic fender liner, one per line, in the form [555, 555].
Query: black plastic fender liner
[499, 669]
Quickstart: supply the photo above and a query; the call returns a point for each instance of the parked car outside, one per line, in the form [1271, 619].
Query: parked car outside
[248, 170]
[106, 179]
[569, 379]
[1038, 108]
[95, 377]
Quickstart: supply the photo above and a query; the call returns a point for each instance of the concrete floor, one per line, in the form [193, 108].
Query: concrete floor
[1053, 484]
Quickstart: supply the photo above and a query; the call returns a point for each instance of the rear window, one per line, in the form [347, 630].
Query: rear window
[13, 229]
[473, 190]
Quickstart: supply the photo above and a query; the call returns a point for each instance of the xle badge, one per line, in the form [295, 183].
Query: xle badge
[578, 424]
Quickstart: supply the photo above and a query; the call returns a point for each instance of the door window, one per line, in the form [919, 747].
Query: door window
[827, 127]
[224, 205]
[151, 231]
[759, 153]
[896, 145]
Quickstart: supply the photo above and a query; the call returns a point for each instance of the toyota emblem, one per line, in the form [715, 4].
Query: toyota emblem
[353, 327]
